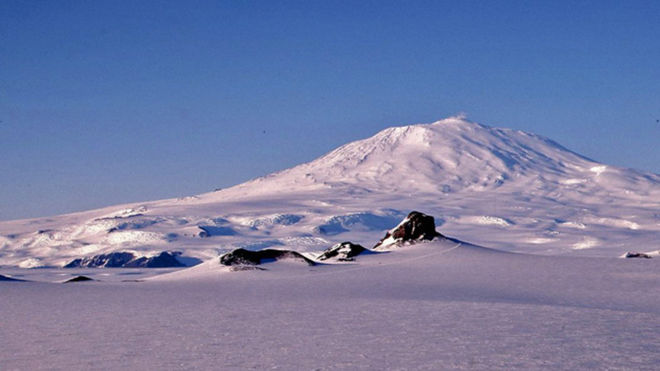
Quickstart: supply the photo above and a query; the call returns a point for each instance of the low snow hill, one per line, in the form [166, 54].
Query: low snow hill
[501, 188]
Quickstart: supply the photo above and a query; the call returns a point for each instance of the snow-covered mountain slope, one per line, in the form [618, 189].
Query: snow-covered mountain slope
[497, 187]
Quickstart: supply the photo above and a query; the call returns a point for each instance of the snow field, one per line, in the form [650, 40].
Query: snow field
[438, 305]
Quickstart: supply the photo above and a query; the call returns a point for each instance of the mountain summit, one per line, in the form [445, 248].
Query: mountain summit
[501, 188]
[453, 155]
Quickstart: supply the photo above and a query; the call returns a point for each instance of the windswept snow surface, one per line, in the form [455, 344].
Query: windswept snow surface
[502, 188]
[436, 305]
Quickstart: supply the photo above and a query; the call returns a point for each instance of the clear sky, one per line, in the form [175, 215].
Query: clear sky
[106, 102]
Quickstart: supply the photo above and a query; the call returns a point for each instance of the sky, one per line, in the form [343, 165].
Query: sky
[108, 102]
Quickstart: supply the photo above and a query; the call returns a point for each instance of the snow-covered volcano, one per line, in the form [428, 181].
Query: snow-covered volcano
[497, 187]
[455, 155]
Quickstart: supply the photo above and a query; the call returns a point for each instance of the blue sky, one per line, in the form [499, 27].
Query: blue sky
[105, 102]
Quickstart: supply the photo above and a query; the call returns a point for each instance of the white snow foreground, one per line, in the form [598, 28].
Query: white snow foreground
[501, 188]
[434, 305]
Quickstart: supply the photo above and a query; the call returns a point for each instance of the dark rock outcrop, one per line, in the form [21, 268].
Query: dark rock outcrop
[9, 279]
[248, 257]
[121, 259]
[631, 254]
[79, 279]
[163, 260]
[111, 260]
[416, 227]
[344, 251]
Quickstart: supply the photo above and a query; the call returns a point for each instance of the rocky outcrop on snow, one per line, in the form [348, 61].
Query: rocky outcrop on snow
[248, 257]
[414, 228]
[9, 279]
[111, 260]
[344, 251]
[79, 279]
[163, 260]
[124, 259]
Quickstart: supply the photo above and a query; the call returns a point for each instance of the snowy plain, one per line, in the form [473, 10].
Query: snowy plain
[547, 290]
[437, 305]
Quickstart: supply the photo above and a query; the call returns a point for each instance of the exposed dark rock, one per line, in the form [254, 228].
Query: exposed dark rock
[165, 259]
[416, 227]
[9, 279]
[79, 279]
[631, 254]
[247, 257]
[344, 251]
[111, 260]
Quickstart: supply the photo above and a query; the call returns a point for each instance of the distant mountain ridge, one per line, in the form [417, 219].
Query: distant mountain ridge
[496, 187]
